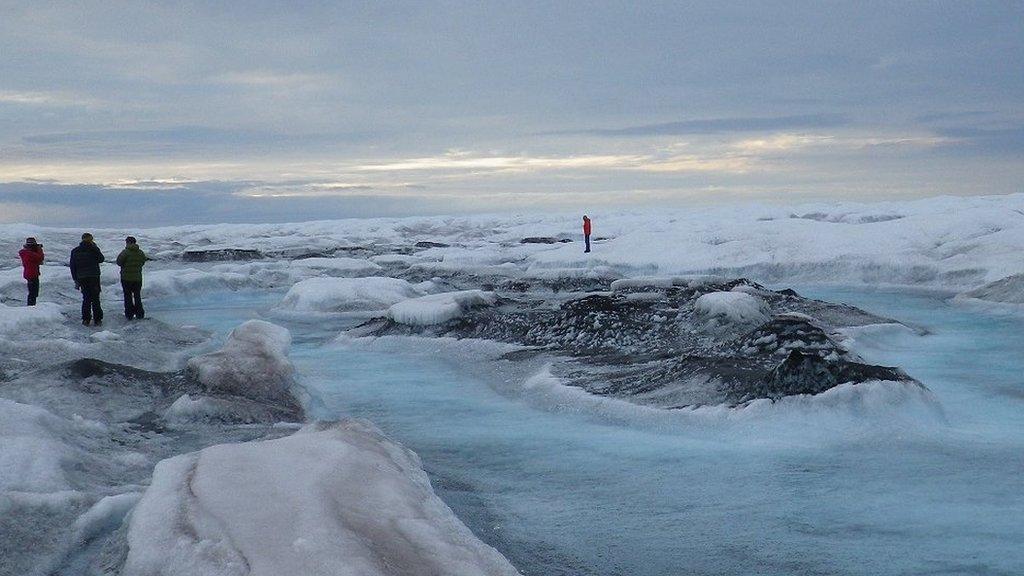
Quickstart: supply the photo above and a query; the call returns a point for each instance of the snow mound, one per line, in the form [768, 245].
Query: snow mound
[439, 308]
[736, 307]
[340, 266]
[15, 319]
[347, 294]
[337, 499]
[253, 363]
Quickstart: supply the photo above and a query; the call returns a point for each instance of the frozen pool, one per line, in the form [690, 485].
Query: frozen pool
[859, 491]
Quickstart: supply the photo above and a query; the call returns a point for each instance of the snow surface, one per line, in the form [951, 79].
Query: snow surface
[439, 308]
[333, 499]
[348, 294]
[890, 449]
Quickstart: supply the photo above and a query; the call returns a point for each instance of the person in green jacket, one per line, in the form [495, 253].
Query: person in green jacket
[131, 260]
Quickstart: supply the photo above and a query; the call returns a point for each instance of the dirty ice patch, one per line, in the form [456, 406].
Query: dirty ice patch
[347, 294]
[15, 320]
[331, 499]
[253, 363]
[734, 307]
[439, 308]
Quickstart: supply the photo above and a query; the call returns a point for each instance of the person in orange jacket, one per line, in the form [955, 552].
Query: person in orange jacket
[31, 257]
[586, 231]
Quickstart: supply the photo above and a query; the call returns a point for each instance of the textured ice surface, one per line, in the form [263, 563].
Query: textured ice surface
[333, 499]
[865, 479]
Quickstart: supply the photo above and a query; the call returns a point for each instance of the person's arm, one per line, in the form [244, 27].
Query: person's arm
[99, 255]
[121, 257]
[144, 258]
[74, 270]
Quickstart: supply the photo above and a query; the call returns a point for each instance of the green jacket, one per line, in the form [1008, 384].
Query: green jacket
[131, 260]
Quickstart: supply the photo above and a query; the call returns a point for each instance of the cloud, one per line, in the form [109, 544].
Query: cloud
[718, 126]
[276, 80]
[780, 143]
[1005, 140]
[46, 98]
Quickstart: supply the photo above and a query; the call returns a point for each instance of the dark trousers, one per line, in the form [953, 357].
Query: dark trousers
[33, 291]
[91, 309]
[586, 237]
[132, 299]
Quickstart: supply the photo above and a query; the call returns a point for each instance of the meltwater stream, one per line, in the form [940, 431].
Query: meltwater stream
[818, 489]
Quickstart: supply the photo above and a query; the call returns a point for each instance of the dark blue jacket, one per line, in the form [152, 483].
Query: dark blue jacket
[85, 261]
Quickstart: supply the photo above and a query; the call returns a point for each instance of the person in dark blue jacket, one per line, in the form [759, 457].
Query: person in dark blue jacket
[85, 271]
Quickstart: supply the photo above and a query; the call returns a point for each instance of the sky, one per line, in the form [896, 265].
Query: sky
[151, 113]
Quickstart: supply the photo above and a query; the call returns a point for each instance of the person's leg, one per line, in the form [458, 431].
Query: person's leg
[97, 309]
[587, 238]
[86, 302]
[129, 306]
[33, 291]
[140, 313]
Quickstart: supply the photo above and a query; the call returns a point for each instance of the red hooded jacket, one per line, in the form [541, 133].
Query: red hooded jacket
[586, 226]
[30, 261]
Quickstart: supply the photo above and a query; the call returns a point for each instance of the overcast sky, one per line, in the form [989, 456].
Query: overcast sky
[157, 113]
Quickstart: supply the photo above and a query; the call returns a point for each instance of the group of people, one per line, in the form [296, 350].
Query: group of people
[85, 271]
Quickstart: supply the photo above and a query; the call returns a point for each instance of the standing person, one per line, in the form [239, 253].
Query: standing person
[85, 271]
[31, 258]
[131, 260]
[586, 231]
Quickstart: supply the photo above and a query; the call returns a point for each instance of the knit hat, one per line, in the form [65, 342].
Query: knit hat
[86, 236]
[30, 241]
[131, 240]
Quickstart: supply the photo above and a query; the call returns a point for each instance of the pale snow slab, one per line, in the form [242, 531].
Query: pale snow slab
[33, 450]
[253, 363]
[333, 499]
[347, 294]
[439, 308]
[738, 307]
[339, 266]
[173, 282]
[640, 282]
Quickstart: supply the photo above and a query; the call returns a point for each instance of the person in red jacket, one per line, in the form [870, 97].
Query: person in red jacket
[586, 232]
[31, 257]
